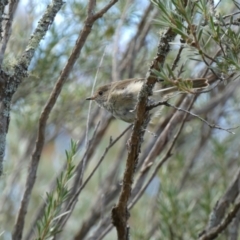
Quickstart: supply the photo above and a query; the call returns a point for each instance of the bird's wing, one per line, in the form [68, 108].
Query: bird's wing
[123, 83]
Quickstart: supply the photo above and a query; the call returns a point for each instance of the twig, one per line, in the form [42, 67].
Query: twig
[3, 4]
[199, 148]
[17, 234]
[52, 185]
[221, 206]
[217, 4]
[127, 60]
[20, 72]
[219, 98]
[233, 229]
[115, 53]
[8, 28]
[230, 15]
[88, 117]
[211, 125]
[134, 45]
[90, 150]
[120, 212]
[137, 194]
[214, 232]
[111, 143]
[207, 69]
[212, 9]
[164, 159]
[9, 82]
[90, 102]
[81, 166]
[74, 199]
[177, 58]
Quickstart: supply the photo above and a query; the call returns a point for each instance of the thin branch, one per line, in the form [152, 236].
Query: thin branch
[79, 179]
[218, 3]
[9, 82]
[120, 213]
[111, 143]
[3, 4]
[164, 159]
[20, 68]
[221, 206]
[135, 44]
[81, 166]
[91, 8]
[211, 125]
[90, 102]
[233, 229]
[100, 13]
[212, 9]
[18, 229]
[52, 185]
[207, 69]
[115, 52]
[177, 58]
[138, 191]
[89, 152]
[8, 28]
[230, 15]
[74, 199]
[214, 232]
[197, 151]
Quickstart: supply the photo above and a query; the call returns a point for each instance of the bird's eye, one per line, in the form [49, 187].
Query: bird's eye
[100, 93]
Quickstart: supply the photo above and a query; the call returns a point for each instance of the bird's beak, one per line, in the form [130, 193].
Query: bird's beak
[89, 98]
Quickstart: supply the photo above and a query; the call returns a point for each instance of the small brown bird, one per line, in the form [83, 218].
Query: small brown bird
[120, 98]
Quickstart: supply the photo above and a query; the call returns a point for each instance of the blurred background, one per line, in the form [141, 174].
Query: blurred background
[122, 44]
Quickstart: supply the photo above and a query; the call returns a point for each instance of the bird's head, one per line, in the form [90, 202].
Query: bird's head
[101, 95]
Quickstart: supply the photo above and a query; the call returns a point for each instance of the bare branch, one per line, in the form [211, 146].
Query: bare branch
[90, 102]
[52, 185]
[137, 41]
[138, 189]
[221, 206]
[214, 232]
[100, 13]
[120, 213]
[115, 70]
[10, 82]
[233, 229]
[206, 133]
[163, 160]
[211, 125]
[3, 4]
[20, 68]
[8, 28]
[88, 153]
[74, 198]
[17, 234]
[212, 9]
[91, 8]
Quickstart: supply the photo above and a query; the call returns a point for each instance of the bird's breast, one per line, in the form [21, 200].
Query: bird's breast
[121, 110]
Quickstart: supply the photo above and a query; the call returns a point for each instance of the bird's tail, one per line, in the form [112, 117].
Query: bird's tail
[197, 83]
